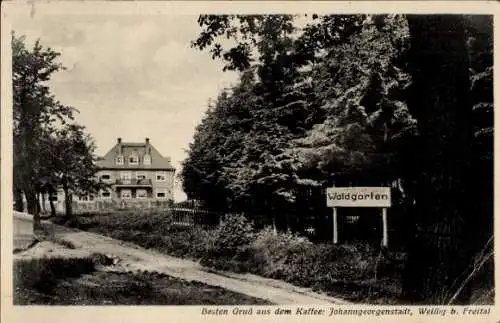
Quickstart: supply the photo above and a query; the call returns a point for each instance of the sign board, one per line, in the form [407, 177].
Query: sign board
[358, 197]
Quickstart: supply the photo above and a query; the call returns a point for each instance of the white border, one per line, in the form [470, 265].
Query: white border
[185, 313]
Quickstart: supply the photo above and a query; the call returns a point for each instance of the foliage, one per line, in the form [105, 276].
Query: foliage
[270, 251]
[113, 288]
[150, 230]
[230, 242]
[345, 100]
[35, 115]
[42, 273]
[337, 111]
[47, 150]
[439, 251]
[355, 271]
[73, 163]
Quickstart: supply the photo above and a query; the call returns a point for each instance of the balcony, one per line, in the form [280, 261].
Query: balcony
[134, 182]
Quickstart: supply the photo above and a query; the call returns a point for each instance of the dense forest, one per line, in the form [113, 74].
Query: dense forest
[385, 100]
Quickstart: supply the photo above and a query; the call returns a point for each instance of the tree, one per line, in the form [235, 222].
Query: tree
[266, 57]
[479, 30]
[73, 163]
[440, 101]
[35, 112]
[300, 80]
[377, 100]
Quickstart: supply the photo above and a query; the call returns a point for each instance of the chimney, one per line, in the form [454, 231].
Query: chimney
[119, 141]
[148, 147]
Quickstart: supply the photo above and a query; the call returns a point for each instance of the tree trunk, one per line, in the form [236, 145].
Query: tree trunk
[18, 198]
[51, 192]
[68, 201]
[43, 202]
[439, 253]
[32, 207]
[39, 201]
[52, 206]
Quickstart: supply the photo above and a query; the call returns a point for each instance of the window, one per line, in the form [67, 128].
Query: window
[133, 160]
[126, 175]
[86, 198]
[140, 175]
[161, 176]
[119, 160]
[105, 177]
[147, 159]
[161, 194]
[106, 194]
[126, 194]
[142, 194]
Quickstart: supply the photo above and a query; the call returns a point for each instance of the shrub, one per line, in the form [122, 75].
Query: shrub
[270, 251]
[325, 263]
[190, 243]
[60, 220]
[356, 270]
[81, 223]
[42, 273]
[140, 221]
[230, 244]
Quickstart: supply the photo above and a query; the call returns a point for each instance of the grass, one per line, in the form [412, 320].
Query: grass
[357, 272]
[42, 274]
[57, 281]
[354, 272]
[46, 233]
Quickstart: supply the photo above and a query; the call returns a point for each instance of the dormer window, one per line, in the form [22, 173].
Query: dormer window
[119, 160]
[133, 160]
[147, 159]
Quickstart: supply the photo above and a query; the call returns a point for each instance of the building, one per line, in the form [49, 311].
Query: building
[135, 171]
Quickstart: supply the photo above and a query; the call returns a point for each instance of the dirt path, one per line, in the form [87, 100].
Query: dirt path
[134, 258]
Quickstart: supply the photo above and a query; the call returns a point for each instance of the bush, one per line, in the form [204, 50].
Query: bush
[326, 263]
[271, 251]
[355, 270]
[191, 243]
[160, 223]
[42, 273]
[59, 220]
[230, 244]
[81, 223]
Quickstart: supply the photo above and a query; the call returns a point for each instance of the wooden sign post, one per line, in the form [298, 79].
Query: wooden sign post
[379, 197]
[385, 238]
[335, 231]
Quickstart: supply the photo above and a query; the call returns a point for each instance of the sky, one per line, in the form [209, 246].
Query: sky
[131, 76]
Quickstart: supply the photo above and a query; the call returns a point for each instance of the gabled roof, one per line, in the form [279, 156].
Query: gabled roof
[158, 162]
